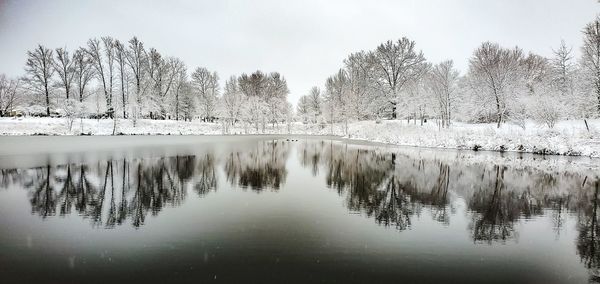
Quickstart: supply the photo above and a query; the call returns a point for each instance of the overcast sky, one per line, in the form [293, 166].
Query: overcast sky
[305, 40]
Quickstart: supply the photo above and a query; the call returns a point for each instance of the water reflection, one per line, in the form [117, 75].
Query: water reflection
[258, 168]
[387, 187]
[111, 193]
[392, 187]
[588, 241]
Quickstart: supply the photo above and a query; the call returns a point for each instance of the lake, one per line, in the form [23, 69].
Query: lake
[273, 209]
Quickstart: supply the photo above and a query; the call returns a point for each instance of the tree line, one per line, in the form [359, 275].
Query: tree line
[114, 79]
[108, 78]
[501, 84]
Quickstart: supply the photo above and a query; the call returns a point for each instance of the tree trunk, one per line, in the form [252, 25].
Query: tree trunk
[47, 98]
[177, 105]
[499, 113]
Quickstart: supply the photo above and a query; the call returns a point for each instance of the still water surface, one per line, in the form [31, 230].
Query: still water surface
[300, 210]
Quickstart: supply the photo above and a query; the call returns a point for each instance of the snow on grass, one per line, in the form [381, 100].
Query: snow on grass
[566, 138]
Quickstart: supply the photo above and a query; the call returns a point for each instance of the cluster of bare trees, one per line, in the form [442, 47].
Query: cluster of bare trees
[106, 78]
[109, 78]
[501, 84]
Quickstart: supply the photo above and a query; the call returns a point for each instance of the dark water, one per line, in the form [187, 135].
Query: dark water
[267, 210]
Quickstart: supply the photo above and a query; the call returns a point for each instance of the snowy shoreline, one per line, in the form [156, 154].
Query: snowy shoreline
[568, 138]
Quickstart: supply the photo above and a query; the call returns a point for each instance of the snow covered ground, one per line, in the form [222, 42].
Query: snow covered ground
[567, 138]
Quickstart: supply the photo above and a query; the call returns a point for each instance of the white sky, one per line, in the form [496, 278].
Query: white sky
[305, 40]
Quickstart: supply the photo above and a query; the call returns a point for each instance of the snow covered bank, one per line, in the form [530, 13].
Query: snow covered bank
[567, 138]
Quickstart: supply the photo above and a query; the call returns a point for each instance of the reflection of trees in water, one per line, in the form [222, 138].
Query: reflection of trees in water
[310, 155]
[505, 196]
[261, 167]
[43, 200]
[496, 208]
[205, 178]
[376, 183]
[109, 193]
[391, 188]
[588, 240]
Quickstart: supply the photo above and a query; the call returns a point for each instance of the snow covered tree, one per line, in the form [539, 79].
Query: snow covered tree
[73, 109]
[268, 93]
[563, 70]
[232, 101]
[206, 87]
[396, 64]
[8, 94]
[497, 72]
[120, 56]
[336, 88]
[162, 73]
[276, 98]
[361, 93]
[537, 73]
[253, 85]
[441, 82]
[315, 104]
[188, 101]
[137, 61]
[415, 100]
[254, 111]
[103, 59]
[179, 87]
[303, 108]
[39, 68]
[591, 57]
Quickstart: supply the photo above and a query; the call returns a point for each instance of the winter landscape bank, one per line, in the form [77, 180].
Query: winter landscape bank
[569, 137]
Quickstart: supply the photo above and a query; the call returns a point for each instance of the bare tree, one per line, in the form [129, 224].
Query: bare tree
[39, 69]
[65, 68]
[84, 71]
[397, 63]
